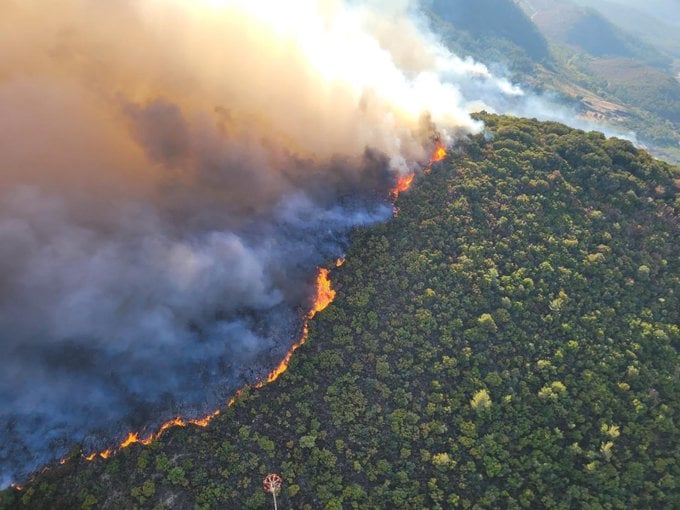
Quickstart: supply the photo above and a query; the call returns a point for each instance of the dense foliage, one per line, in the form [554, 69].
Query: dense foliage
[509, 340]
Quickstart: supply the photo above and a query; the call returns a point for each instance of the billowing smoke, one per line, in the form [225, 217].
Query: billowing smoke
[171, 174]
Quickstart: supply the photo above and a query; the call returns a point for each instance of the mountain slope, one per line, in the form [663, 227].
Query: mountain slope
[491, 31]
[614, 74]
[509, 340]
[657, 22]
[609, 73]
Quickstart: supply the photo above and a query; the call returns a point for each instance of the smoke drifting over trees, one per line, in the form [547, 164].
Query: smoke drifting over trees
[172, 172]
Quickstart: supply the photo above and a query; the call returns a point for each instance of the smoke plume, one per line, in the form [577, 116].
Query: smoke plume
[171, 174]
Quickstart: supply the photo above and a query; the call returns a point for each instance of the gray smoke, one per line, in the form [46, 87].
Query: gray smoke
[172, 174]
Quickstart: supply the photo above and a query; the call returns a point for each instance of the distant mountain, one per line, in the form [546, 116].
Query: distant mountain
[588, 30]
[626, 78]
[656, 22]
[501, 18]
[492, 30]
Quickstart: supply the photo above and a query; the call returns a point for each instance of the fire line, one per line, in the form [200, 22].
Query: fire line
[325, 294]
[404, 181]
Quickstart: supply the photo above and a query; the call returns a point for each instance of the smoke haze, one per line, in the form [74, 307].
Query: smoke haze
[172, 172]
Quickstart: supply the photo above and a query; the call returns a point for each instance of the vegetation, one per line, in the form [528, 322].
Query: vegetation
[573, 51]
[492, 31]
[509, 340]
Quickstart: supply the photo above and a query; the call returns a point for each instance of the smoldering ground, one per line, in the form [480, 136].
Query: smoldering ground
[172, 172]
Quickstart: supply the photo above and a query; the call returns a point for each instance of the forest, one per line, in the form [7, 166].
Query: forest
[508, 340]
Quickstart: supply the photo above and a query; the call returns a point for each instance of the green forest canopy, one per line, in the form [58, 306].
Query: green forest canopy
[509, 340]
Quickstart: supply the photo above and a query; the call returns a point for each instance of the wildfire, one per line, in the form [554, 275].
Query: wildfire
[324, 293]
[439, 153]
[404, 181]
[133, 437]
[324, 296]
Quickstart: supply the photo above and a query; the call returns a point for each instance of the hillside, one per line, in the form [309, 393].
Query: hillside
[608, 72]
[509, 340]
[657, 22]
[492, 31]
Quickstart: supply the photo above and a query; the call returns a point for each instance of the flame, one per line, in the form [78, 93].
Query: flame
[324, 293]
[203, 422]
[133, 437]
[324, 296]
[283, 366]
[175, 422]
[403, 183]
[232, 400]
[17, 487]
[439, 153]
[340, 262]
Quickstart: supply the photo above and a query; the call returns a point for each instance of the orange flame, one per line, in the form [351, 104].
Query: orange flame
[175, 422]
[133, 437]
[324, 293]
[16, 487]
[324, 296]
[232, 400]
[283, 366]
[439, 153]
[203, 422]
[403, 183]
